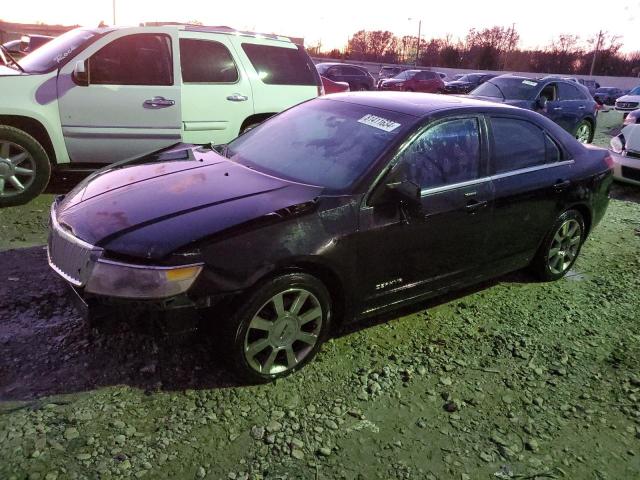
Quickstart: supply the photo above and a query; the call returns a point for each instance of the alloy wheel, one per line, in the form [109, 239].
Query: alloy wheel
[17, 169]
[564, 246]
[583, 134]
[283, 332]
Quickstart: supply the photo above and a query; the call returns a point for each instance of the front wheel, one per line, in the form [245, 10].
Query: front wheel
[278, 328]
[560, 248]
[584, 132]
[24, 167]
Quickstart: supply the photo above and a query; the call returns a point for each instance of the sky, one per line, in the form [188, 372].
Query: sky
[331, 22]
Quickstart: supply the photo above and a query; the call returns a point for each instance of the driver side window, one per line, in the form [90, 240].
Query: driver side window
[445, 154]
[550, 92]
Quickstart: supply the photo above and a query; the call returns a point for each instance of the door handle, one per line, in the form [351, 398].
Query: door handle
[557, 108]
[561, 185]
[237, 97]
[158, 102]
[474, 205]
[581, 107]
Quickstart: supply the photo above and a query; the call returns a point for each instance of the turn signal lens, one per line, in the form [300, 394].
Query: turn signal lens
[180, 274]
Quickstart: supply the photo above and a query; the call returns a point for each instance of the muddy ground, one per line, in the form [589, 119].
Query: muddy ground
[513, 379]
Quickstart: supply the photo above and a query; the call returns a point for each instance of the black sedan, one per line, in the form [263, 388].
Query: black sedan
[466, 83]
[607, 95]
[339, 208]
[567, 103]
[358, 78]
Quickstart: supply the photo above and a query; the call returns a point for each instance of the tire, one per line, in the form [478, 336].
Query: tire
[18, 187]
[560, 247]
[259, 349]
[584, 132]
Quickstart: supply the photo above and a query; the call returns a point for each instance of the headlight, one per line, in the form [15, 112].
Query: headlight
[617, 144]
[122, 280]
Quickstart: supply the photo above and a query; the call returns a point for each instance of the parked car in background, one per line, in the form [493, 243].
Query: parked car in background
[100, 95]
[466, 83]
[273, 239]
[590, 84]
[414, 81]
[625, 150]
[389, 72]
[443, 76]
[27, 44]
[566, 103]
[629, 102]
[358, 78]
[333, 87]
[607, 95]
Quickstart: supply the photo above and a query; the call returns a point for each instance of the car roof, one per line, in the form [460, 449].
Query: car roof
[331, 64]
[420, 104]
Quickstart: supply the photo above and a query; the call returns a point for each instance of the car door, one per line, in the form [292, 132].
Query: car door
[553, 107]
[131, 103]
[403, 251]
[530, 175]
[573, 105]
[216, 91]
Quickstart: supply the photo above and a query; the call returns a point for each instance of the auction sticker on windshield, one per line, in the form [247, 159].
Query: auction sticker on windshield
[530, 83]
[379, 122]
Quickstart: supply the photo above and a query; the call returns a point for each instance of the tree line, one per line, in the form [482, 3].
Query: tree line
[495, 48]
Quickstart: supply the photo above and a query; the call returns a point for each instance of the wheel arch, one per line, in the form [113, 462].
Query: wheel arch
[34, 128]
[587, 216]
[255, 118]
[327, 275]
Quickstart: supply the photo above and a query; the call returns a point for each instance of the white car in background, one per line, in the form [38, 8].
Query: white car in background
[625, 151]
[101, 95]
[629, 102]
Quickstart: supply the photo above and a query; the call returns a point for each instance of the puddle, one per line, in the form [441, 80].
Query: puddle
[576, 276]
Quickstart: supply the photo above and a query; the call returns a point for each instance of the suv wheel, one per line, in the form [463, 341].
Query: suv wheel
[584, 132]
[560, 248]
[24, 167]
[278, 328]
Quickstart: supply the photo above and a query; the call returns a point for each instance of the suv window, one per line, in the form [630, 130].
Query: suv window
[140, 59]
[280, 65]
[569, 92]
[204, 61]
[445, 154]
[517, 144]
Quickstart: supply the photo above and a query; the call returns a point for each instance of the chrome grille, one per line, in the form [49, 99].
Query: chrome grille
[69, 256]
[629, 105]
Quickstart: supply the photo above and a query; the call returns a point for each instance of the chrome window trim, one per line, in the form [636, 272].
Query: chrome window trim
[453, 186]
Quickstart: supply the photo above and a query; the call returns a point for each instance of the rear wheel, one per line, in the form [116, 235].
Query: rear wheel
[24, 167]
[561, 246]
[584, 132]
[278, 328]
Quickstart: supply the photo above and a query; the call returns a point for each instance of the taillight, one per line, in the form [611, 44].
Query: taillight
[609, 161]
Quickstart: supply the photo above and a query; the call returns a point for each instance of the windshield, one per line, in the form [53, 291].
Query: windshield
[508, 88]
[469, 78]
[406, 75]
[635, 91]
[58, 51]
[323, 142]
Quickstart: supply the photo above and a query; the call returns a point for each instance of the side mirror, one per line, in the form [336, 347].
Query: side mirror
[404, 191]
[80, 75]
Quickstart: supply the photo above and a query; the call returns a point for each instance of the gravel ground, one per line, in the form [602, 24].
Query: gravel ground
[513, 379]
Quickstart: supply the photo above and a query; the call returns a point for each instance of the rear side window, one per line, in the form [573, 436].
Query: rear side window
[141, 59]
[352, 71]
[204, 61]
[517, 144]
[279, 65]
[569, 92]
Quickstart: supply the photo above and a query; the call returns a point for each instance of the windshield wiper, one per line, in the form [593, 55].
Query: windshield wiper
[6, 55]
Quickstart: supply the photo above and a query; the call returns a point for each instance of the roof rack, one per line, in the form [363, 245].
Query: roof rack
[218, 29]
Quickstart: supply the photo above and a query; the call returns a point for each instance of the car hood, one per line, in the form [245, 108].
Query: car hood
[629, 98]
[151, 207]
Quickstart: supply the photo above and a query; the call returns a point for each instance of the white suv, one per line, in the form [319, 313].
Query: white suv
[97, 96]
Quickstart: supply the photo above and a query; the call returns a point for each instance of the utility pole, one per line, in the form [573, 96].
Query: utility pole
[595, 53]
[114, 12]
[418, 46]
